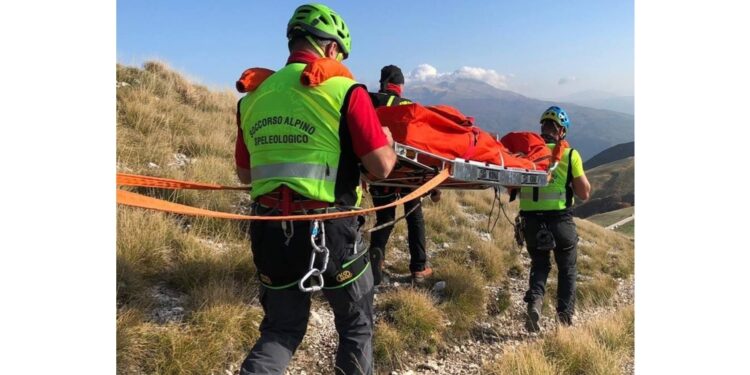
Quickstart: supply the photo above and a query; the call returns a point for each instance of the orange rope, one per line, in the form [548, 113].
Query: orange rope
[124, 179]
[137, 200]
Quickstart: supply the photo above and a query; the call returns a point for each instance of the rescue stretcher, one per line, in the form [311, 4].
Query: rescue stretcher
[415, 166]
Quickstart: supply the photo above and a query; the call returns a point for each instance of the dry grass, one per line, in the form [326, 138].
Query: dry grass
[465, 296]
[599, 347]
[389, 347]
[608, 252]
[411, 323]
[214, 339]
[412, 312]
[525, 360]
[145, 243]
[188, 132]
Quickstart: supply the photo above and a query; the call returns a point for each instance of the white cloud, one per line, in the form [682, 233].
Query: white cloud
[565, 80]
[423, 72]
[428, 73]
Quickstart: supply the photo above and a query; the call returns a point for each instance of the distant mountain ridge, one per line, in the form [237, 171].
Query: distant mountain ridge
[612, 188]
[611, 154]
[503, 111]
[602, 100]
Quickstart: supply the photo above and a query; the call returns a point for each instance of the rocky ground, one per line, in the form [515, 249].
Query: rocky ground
[490, 338]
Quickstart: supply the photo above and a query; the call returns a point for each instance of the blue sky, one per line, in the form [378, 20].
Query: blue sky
[543, 49]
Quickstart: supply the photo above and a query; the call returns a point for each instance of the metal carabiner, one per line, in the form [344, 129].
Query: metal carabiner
[312, 287]
[318, 229]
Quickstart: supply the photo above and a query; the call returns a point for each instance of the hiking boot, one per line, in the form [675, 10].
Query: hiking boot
[533, 312]
[419, 276]
[565, 319]
[376, 258]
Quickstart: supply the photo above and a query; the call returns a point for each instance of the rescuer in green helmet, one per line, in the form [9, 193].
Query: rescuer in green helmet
[301, 147]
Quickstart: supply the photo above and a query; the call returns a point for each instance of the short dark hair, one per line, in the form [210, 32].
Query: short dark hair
[298, 41]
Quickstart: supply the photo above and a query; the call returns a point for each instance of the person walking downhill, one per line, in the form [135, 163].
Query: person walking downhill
[548, 224]
[301, 146]
[391, 87]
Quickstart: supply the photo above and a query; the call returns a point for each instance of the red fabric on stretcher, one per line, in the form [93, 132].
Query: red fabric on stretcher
[445, 131]
[531, 145]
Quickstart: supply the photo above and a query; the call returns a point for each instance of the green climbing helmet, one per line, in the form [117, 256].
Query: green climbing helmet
[322, 22]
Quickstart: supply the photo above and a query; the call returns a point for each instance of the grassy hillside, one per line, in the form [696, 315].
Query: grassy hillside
[627, 229]
[186, 295]
[609, 218]
[612, 188]
[611, 154]
[186, 291]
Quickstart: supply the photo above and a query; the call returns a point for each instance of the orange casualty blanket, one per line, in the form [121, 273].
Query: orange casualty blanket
[445, 131]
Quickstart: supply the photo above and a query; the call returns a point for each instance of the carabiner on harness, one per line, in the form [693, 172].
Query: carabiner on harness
[318, 242]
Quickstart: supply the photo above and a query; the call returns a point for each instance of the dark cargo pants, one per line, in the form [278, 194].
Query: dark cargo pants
[563, 229]
[287, 311]
[414, 223]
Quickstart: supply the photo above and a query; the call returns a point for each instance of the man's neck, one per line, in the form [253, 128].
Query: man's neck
[303, 56]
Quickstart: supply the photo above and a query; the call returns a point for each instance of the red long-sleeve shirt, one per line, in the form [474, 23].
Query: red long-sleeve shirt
[364, 127]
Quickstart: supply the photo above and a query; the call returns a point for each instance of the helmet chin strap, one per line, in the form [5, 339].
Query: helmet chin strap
[315, 44]
[339, 55]
[549, 138]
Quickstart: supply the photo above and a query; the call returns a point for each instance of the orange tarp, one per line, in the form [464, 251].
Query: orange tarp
[445, 131]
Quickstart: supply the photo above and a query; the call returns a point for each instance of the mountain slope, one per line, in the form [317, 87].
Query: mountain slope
[612, 188]
[609, 218]
[611, 154]
[503, 111]
[187, 291]
[602, 100]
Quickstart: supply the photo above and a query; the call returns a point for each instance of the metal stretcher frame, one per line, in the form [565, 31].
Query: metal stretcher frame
[412, 171]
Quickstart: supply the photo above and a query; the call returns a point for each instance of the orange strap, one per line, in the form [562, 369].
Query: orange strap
[252, 78]
[558, 150]
[124, 179]
[137, 200]
[321, 70]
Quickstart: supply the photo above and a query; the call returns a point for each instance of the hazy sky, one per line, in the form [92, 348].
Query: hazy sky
[543, 49]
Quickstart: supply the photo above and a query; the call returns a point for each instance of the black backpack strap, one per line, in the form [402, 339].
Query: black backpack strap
[535, 194]
[569, 181]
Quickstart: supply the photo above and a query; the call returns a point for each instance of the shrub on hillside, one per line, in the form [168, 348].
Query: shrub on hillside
[465, 295]
[414, 318]
[599, 347]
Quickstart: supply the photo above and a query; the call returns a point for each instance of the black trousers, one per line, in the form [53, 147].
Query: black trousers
[286, 311]
[563, 229]
[414, 223]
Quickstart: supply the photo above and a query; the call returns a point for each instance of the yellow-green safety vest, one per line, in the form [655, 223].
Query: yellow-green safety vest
[292, 133]
[558, 194]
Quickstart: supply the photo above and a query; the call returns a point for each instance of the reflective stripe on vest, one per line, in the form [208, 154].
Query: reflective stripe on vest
[296, 170]
[292, 133]
[390, 100]
[544, 195]
[554, 196]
